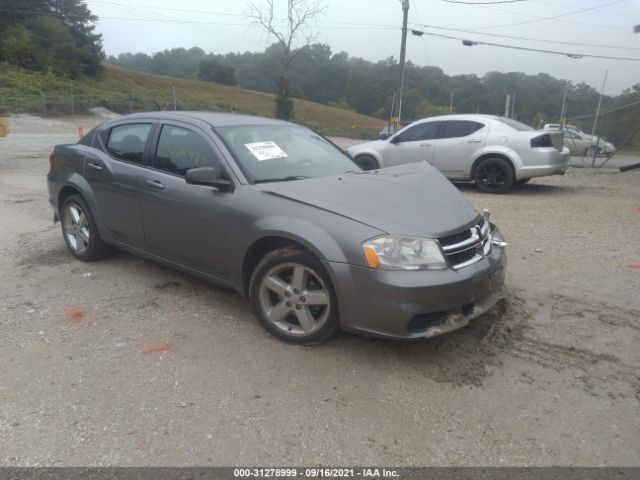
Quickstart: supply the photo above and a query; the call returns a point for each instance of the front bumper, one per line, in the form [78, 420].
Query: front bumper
[417, 304]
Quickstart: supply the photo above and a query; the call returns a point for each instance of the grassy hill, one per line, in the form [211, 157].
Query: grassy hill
[123, 90]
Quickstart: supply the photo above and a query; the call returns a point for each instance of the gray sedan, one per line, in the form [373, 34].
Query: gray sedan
[284, 217]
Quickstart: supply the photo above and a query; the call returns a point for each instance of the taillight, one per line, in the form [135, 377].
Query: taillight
[52, 158]
[542, 141]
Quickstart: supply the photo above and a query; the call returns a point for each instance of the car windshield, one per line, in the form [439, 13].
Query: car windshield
[271, 153]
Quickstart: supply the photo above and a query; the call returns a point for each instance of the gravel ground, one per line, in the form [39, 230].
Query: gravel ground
[125, 362]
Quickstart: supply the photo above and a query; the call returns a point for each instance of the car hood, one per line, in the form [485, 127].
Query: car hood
[413, 199]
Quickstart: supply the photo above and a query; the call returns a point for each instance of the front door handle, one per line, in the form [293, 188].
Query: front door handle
[474, 140]
[94, 166]
[155, 183]
[425, 144]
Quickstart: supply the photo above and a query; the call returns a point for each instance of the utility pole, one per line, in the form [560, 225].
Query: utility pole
[174, 97]
[595, 120]
[513, 105]
[506, 106]
[563, 111]
[451, 104]
[397, 106]
[71, 97]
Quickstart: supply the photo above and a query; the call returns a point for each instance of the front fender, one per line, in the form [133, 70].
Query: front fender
[301, 231]
[368, 151]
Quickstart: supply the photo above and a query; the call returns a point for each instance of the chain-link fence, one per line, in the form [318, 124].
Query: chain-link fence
[53, 105]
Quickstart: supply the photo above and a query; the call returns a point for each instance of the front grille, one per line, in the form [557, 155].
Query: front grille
[468, 246]
[462, 257]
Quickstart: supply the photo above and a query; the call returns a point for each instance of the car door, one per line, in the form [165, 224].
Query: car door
[115, 170]
[189, 224]
[413, 144]
[457, 145]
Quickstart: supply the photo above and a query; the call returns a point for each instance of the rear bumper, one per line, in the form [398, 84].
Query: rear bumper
[543, 162]
[417, 304]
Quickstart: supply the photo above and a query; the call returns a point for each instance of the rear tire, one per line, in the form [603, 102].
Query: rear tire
[79, 231]
[494, 175]
[367, 162]
[293, 298]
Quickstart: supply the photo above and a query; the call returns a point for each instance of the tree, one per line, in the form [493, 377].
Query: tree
[299, 14]
[213, 71]
[50, 34]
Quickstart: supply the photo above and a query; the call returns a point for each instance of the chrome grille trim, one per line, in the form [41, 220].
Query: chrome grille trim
[479, 241]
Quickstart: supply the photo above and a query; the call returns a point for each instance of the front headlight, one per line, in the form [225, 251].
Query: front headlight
[391, 252]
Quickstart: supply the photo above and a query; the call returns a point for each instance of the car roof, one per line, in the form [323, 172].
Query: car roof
[463, 116]
[215, 119]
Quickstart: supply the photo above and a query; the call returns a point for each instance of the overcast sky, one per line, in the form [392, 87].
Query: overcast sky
[371, 29]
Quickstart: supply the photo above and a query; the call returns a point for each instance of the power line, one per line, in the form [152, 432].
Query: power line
[484, 3]
[558, 42]
[470, 43]
[612, 110]
[553, 17]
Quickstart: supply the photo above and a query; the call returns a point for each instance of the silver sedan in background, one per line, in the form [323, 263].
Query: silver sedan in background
[494, 152]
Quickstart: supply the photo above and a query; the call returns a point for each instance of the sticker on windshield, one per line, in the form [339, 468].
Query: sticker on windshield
[265, 150]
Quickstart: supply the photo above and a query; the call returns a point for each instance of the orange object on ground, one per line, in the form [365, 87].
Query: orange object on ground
[73, 312]
[81, 131]
[634, 265]
[158, 349]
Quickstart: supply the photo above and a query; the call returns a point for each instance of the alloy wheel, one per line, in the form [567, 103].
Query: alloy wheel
[76, 228]
[491, 175]
[295, 299]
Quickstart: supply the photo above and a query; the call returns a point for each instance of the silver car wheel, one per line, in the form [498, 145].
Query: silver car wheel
[295, 299]
[76, 228]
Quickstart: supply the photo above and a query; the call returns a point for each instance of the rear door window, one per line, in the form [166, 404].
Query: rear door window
[460, 128]
[127, 142]
[180, 149]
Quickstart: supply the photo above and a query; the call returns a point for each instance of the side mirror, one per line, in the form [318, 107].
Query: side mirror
[208, 177]
[395, 139]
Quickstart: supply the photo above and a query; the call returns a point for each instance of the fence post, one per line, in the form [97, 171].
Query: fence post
[17, 110]
[44, 105]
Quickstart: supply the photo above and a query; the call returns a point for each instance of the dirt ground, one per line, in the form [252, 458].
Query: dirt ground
[125, 362]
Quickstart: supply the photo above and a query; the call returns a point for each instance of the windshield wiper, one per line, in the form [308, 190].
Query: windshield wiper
[284, 179]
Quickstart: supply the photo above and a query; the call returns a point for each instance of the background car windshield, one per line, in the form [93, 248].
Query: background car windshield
[275, 152]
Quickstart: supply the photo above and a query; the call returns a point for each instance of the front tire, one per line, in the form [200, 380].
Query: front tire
[367, 162]
[80, 232]
[494, 175]
[293, 298]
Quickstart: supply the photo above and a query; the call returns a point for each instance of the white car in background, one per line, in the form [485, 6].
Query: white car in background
[581, 143]
[492, 151]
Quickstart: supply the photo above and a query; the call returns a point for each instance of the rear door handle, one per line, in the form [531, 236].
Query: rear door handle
[94, 166]
[474, 140]
[155, 183]
[425, 144]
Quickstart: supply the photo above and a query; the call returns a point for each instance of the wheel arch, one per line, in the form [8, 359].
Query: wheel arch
[484, 156]
[76, 184]
[265, 245]
[370, 153]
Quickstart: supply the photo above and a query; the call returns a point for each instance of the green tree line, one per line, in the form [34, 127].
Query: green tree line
[367, 87]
